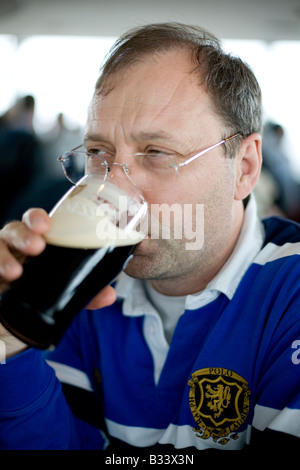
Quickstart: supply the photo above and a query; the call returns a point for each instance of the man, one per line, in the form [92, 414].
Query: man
[200, 349]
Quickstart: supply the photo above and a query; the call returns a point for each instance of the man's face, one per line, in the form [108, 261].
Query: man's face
[158, 103]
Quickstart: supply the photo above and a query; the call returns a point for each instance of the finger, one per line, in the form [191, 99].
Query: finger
[20, 239]
[10, 266]
[3, 331]
[37, 220]
[17, 235]
[106, 297]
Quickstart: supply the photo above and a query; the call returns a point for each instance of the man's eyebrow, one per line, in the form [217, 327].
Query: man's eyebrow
[94, 138]
[138, 136]
[152, 135]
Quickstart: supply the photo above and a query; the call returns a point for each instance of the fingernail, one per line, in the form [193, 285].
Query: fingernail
[32, 220]
[36, 221]
[10, 269]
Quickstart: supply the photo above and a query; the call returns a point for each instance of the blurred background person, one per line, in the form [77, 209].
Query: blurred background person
[19, 152]
[280, 186]
[46, 182]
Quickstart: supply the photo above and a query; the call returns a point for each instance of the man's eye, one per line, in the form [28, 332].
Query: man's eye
[156, 159]
[104, 153]
[92, 151]
[95, 151]
[158, 154]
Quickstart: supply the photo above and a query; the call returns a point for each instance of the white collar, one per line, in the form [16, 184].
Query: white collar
[247, 247]
[226, 281]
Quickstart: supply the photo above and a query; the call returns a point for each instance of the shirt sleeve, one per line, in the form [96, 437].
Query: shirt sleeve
[34, 414]
[277, 412]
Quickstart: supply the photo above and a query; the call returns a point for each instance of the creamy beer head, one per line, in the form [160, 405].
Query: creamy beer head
[92, 215]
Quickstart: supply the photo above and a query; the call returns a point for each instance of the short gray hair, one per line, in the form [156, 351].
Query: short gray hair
[230, 82]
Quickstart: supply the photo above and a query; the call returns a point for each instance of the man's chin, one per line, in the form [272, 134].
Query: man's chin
[143, 248]
[135, 266]
[141, 264]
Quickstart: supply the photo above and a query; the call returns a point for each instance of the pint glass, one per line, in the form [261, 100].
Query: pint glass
[94, 230]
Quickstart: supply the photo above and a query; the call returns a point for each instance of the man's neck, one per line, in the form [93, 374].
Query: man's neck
[197, 279]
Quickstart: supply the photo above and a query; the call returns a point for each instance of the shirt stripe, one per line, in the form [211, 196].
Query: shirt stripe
[71, 376]
[286, 420]
[273, 252]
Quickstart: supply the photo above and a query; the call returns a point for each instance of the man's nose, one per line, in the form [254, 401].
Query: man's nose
[118, 170]
[118, 175]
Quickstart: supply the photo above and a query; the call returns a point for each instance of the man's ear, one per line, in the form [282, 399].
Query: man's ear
[248, 166]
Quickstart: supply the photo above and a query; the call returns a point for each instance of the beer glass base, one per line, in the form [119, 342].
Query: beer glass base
[25, 324]
[38, 314]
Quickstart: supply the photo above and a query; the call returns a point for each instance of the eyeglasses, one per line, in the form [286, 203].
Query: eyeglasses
[151, 170]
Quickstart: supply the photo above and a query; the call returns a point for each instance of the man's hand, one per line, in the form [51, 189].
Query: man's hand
[19, 240]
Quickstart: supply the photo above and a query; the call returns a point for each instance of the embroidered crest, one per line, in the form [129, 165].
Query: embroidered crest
[219, 402]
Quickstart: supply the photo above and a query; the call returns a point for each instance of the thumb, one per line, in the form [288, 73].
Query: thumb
[104, 298]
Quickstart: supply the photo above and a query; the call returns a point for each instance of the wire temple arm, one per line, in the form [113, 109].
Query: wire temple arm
[199, 154]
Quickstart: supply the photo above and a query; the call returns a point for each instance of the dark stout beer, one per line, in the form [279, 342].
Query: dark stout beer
[84, 253]
[55, 285]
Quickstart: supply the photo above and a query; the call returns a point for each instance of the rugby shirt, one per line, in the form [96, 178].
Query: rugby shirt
[229, 379]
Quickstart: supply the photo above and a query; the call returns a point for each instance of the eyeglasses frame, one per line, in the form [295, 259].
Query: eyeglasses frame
[176, 166]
